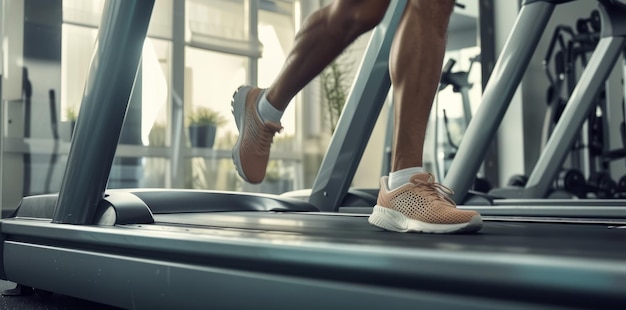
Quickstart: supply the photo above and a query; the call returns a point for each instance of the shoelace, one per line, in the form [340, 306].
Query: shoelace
[438, 190]
[266, 137]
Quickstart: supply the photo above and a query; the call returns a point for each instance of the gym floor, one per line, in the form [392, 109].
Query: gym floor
[42, 300]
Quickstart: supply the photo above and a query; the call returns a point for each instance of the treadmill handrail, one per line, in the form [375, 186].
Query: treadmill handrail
[110, 81]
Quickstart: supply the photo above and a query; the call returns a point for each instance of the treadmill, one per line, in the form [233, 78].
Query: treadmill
[191, 249]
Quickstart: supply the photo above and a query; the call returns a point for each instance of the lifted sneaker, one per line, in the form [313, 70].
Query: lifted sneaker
[421, 206]
[252, 150]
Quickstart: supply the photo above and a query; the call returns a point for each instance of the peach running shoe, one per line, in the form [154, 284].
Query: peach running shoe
[252, 150]
[421, 206]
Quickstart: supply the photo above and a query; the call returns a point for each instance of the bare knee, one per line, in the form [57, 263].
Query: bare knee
[355, 17]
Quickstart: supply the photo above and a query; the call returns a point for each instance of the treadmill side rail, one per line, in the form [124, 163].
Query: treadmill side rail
[110, 81]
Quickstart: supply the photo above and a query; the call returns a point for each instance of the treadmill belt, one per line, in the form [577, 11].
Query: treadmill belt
[572, 265]
[598, 241]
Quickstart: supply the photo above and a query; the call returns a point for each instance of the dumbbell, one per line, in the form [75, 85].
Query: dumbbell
[572, 181]
[602, 185]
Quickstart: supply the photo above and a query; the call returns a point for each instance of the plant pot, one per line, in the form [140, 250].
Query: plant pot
[202, 135]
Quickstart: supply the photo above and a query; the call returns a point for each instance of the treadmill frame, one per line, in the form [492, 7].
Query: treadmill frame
[105, 247]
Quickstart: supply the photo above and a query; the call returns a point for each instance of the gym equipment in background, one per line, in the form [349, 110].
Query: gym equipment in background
[506, 76]
[459, 82]
[585, 173]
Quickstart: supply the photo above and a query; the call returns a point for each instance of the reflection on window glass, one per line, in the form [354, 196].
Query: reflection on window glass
[78, 44]
[210, 80]
[77, 47]
[83, 12]
[281, 177]
[276, 34]
[217, 18]
[211, 173]
[220, 174]
[131, 172]
[155, 172]
[126, 172]
[450, 103]
[46, 174]
[161, 20]
[155, 91]
[89, 13]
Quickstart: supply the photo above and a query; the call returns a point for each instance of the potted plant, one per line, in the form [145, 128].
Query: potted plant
[203, 123]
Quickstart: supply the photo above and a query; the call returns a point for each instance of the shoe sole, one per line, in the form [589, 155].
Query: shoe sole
[392, 220]
[238, 108]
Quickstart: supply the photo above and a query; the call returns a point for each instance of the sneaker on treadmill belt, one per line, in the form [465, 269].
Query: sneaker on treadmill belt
[252, 150]
[421, 206]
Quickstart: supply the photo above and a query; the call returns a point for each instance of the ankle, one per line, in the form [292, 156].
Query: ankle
[267, 112]
[401, 177]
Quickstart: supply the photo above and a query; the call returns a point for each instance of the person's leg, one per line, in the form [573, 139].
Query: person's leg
[410, 200]
[415, 62]
[415, 68]
[324, 35]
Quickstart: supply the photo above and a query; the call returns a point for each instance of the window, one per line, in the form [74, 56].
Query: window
[226, 43]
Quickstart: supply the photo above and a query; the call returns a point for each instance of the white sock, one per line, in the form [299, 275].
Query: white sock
[401, 177]
[267, 112]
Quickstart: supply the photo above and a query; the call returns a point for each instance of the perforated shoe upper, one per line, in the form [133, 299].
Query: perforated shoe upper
[424, 200]
[255, 140]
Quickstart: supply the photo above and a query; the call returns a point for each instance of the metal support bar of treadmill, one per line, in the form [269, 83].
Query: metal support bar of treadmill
[504, 80]
[387, 148]
[177, 91]
[105, 101]
[358, 117]
[576, 111]
[2, 21]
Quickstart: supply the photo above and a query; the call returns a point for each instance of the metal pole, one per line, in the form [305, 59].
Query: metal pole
[504, 80]
[105, 100]
[387, 148]
[576, 111]
[177, 119]
[2, 104]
